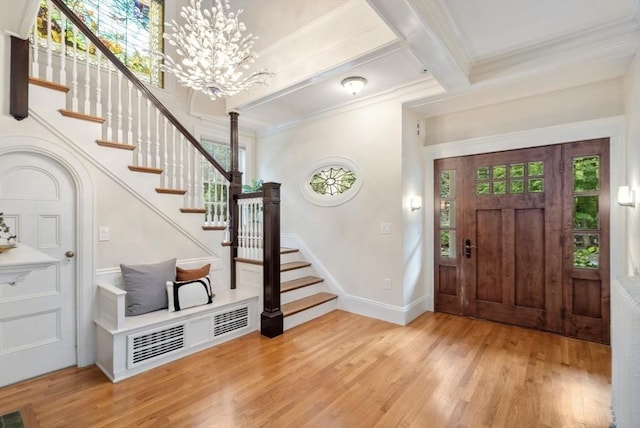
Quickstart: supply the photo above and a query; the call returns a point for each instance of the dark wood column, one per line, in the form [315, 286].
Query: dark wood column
[234, 190]
[271, 319]
[19, 79]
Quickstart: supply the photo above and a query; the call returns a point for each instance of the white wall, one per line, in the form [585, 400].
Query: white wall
[581, 103]
[632, 100]
[347, 237]
[138, 234]
[413, 166]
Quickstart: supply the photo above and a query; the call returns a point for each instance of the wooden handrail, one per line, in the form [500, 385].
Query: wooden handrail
[138, 84]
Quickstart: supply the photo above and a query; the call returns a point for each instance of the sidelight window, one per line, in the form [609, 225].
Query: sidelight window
[586, 212]
[447, 224]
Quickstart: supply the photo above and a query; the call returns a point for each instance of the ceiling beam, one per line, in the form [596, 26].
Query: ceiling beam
[429, 37]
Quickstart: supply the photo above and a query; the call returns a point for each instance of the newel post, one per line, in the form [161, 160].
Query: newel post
[19, 79]
[271, 319]
[235, 189]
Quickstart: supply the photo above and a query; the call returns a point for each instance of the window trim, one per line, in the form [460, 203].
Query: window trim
[331, 200]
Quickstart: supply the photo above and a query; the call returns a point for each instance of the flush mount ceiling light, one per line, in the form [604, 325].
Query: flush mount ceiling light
[214, 54]
[354, 84]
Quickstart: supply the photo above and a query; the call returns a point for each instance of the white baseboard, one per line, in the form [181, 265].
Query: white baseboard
[355, 304]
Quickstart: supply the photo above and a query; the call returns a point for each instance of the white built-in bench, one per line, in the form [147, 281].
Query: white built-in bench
[127, 346]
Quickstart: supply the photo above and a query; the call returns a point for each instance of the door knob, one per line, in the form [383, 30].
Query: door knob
[467, 248]
[69, 254]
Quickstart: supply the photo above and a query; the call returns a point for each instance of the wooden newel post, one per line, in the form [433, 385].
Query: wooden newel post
[235, 189]
[19, 78]
[271, 319]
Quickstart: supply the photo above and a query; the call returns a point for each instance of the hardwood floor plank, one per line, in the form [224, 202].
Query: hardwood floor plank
[344, 370]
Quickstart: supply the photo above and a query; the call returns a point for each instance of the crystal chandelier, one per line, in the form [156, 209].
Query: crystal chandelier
[214, 52]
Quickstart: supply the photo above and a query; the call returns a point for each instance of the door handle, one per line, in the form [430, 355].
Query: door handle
[69, 254]
[467, 248]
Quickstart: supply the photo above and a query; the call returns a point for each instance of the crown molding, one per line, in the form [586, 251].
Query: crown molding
[621, 38]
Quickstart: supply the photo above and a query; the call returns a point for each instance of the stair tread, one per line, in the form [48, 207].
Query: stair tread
[146, 169]
[115, 145]
[293, 265]
[287, 250]
[47, 84]
[300, 305]
[297, 283]
[81, 116]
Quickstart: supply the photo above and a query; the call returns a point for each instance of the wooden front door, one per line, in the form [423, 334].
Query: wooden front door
[514, 245]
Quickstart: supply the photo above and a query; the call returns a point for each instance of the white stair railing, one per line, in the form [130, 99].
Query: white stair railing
[132, 119]
[250, 231]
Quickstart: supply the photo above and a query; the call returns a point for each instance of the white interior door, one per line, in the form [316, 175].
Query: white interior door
[37, 316]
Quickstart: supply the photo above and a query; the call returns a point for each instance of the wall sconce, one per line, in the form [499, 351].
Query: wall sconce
[626, 196]
[416, 203]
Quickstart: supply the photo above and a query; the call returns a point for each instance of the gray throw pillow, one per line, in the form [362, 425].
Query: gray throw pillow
[145, 286]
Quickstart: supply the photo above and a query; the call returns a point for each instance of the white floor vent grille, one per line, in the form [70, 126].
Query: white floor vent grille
[158, 343]
[230, 321]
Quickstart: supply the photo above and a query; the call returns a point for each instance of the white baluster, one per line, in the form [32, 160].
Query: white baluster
[149, 143]
[109, 101]
[74, 72]
[63, 50]
[49, 69]
[199, 196]
[98, 83]
[129, 113]
[190, 183]
[35, 67]
[165, 152]
[139, 130]
[119, 95]
[87, 79]
[181, 161]
[158, 160]
[174, 178]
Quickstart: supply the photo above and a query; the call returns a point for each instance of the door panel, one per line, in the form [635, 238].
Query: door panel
[37, 316]
[532, 245]
[529, 258]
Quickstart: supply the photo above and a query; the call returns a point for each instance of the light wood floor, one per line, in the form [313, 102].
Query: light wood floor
[343, 370]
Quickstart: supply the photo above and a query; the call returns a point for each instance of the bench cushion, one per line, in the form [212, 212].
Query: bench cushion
[187, 294]
[145, 286]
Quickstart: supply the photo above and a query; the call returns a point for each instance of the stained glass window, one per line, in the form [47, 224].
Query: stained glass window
[332, 181]
[131, 29]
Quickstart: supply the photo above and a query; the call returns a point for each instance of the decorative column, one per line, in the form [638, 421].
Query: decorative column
[271, 319]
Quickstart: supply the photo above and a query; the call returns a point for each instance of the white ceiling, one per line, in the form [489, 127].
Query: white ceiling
[477, 52]
[469, 47]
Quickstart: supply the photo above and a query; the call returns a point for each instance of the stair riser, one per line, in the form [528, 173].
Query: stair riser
[309, 314]
[290, 296]
[296, 273]
[290, 257]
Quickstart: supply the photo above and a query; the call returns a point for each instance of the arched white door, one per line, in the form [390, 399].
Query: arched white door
[37, 316]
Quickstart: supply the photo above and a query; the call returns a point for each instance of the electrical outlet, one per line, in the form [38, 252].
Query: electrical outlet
[387, 283]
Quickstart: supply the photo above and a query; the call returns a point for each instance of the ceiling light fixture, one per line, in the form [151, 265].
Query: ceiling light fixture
[354, 84]
[214, 52]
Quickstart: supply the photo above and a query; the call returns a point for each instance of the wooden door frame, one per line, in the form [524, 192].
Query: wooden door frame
[613, 128]
[85, 278]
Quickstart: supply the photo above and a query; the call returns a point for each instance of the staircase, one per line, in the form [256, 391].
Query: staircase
[99, 107]
[303, 295]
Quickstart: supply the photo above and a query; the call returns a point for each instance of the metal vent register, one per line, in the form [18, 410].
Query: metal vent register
[151, 345]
